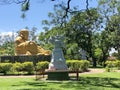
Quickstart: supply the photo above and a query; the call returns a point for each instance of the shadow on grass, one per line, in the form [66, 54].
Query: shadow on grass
[39, 89]
[93, 82]
[85, 83]
[31, 84]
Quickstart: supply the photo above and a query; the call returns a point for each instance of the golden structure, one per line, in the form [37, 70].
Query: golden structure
[25, 47]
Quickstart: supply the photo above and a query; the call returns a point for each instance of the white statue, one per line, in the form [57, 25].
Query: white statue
[83, 54]
[58, 61]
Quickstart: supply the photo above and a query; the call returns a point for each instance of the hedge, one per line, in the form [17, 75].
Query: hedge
[81, 65]
[42, 65]
[112, 64]
[29, 67]
[5, 67]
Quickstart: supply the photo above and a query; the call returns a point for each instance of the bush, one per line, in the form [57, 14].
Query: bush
[28, 67]
[112, 64]
[5, 67]
[42, 65]
[73, 64]
[17, 67]
[84, 65]
[109, 65]
[78, 64]
[117, 64]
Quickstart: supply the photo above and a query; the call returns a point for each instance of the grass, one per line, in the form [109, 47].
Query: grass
[102, 81]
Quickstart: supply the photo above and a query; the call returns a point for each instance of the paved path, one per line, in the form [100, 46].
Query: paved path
[91, 71]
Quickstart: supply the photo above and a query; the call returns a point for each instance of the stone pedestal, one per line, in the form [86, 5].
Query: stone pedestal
[58, 75]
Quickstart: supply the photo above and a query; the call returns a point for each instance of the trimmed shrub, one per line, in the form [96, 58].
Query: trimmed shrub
[5, 67]
[117, 64]
[84, 65]
[42, 65]
[110, 65]
[78, 64]
[73, 64]
[17, 67]
[28, 67]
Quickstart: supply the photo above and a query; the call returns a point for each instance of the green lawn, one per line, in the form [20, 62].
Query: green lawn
[103, 81]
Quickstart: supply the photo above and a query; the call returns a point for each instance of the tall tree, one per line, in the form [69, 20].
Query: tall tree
[113, 26]
[80, 30]
[79, 33]
[111, 19]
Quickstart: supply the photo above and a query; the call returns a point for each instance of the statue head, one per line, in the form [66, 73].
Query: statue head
[24, 34]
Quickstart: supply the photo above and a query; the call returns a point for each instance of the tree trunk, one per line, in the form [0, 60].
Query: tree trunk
[94, 62]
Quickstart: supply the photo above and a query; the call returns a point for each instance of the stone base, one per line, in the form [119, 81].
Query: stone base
[58, 75]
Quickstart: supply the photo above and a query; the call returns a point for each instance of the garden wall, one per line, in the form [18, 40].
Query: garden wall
[24, 58]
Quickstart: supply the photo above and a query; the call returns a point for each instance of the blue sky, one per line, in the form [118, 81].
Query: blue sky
[10, 15]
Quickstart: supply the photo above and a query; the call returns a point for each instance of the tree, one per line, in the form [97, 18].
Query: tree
[113, 26]
[79, 33]
[44, 37]
[80, 30]
[32, 34]
[7, 45]
[111, 20]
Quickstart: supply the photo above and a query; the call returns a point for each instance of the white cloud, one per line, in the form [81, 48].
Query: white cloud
[7, 36]
[2, 34]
